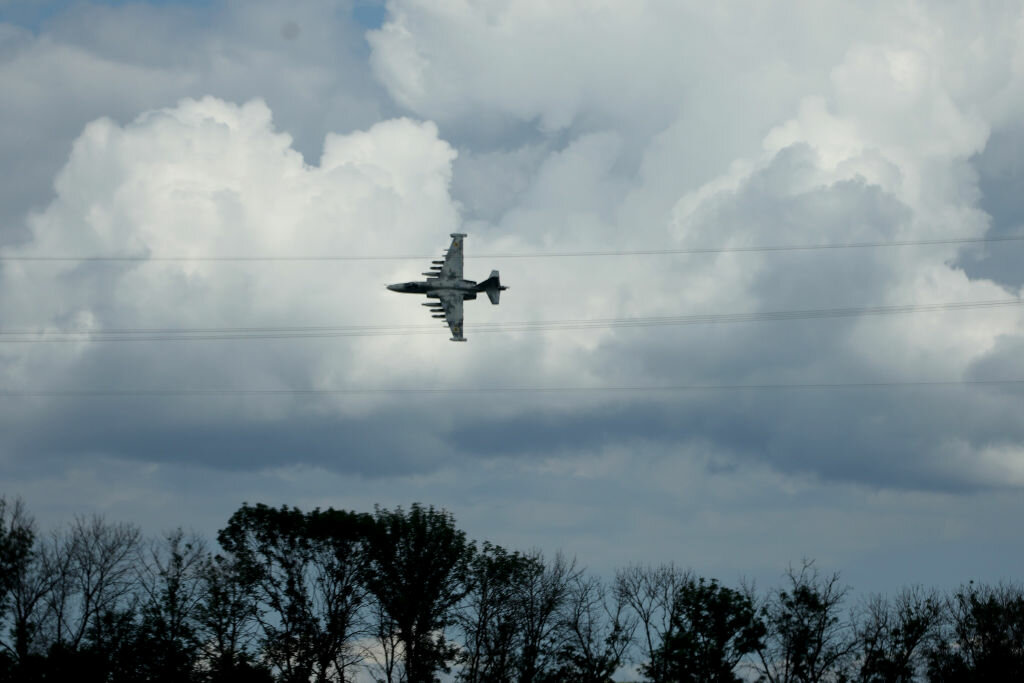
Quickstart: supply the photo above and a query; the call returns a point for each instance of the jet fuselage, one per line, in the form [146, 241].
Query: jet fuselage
[468, 287]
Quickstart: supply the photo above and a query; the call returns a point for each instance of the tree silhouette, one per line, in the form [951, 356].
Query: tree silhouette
[226, 619]
[713, 628]
[305, 571]
[595, 631]
[418, 571]
[539, 603]
[17, 537]
[805, 640]
[402, 595]
[171, 592]
[651, 593]
[893, 635]
[985, 639]
[490, 618]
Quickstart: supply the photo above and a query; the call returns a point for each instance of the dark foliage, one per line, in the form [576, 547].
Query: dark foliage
[305, 571]
[418, 570]
[540, 603]
[984, 639]
[892, 635]
[595, 631]
[491, 617]
[712, 630]
[16, 538]
[651, 593]
[806, 640]
[402, 596]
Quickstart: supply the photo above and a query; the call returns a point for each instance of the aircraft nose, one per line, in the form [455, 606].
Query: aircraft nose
[393, 288]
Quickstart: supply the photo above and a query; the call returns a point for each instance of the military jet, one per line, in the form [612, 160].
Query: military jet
[444, 282]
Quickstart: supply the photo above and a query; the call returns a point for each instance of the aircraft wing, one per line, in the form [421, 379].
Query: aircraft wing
[452, 267]
[452, 304]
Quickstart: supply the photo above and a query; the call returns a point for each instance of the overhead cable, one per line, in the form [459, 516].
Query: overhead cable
[157, 258]
[674, 388]
[327, 331]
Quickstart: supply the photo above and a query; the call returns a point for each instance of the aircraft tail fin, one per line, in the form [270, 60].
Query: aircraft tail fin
[492, 286]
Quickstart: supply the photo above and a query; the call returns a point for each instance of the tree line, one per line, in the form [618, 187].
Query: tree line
[402, 596]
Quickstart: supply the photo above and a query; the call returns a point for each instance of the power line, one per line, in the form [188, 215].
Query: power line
[675, 388]
[524, 255]
[327, 332]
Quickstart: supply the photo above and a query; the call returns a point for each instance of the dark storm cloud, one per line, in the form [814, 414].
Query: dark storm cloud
[1000, 169]
[885, 438]
[1005, 360]
[148, 430]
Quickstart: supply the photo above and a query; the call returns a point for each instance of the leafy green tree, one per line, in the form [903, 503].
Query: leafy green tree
[305, 572]
[713, 629]
[418, 572]
[805, 639]
[892, 635]
[985, 637]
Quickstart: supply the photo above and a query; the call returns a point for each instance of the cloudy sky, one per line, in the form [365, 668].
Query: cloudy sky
[181, 131]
